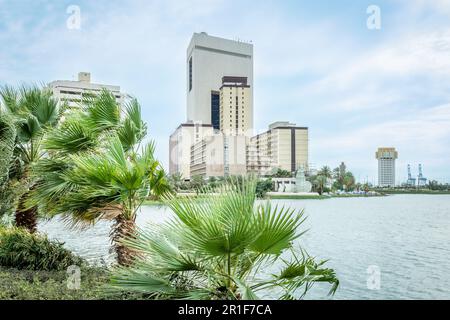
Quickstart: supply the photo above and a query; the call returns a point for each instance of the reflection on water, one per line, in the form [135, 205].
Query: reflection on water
[405, 237]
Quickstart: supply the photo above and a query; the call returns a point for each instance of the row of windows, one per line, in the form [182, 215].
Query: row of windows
[190, 74]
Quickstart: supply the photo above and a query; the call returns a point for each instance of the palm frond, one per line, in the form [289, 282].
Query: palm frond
[217, 246]
[102, 111]
[71, 137]
[304, 272]
[278, 228]
[246, 291]
[132, 129]
[10, 99]
[132, 280]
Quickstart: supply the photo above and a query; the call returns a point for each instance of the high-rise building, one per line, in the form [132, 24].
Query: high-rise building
[386, 166]
[220, 101]
[208, 60]
[284, 146]
[217, 69]
[72, 92]
[236, 116]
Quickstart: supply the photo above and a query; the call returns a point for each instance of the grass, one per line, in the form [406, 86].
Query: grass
[299, 197]
[317, 197]
[357, 195]
[52, 285]
[152, 203]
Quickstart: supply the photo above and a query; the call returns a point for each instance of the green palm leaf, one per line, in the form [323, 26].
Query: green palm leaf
[217, 247]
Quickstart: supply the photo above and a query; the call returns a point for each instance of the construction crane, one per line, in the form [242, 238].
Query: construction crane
[421, 180]
[411, 182]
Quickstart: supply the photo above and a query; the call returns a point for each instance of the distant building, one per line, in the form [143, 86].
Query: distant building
[386, 166]
[235, 106]
[218, 156]
[73, 92]
[217, 138]
[208, 60]
[220, 98]
[284, 146]
[180, 143]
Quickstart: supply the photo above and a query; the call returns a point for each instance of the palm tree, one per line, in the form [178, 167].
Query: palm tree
[349, 181]
[7, 144]
[197, 183]
[320, 183]
[32, 111]
[219, 248]
[176, 181]
[96, 169]
[326, 172]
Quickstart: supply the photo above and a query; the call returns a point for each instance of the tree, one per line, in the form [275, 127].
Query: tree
[96, 169]
[349, 181]
[320, 183]
[280, 173]
[326, 172]
[175, 181]
[197, 183]
[32, 111]
[263, 186]
[365, 187]
[7, 144]
[343, 179]
[219, 248]
[212, 182]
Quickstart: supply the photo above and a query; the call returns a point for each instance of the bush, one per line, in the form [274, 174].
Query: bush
[21, 250]
[262, 187]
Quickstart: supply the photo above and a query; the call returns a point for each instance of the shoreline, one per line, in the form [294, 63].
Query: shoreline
[320, 197]
[427, 192]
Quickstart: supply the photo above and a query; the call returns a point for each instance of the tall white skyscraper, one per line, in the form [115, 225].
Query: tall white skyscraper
[219, 78]
[386, 166]
[210, 59]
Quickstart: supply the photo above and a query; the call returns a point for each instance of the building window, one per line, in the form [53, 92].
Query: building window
[190, 74]
[215, 110]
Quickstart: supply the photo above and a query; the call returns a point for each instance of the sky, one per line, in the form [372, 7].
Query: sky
[317, 64]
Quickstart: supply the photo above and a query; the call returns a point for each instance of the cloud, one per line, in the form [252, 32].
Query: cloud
[354, 88]
[421, 137]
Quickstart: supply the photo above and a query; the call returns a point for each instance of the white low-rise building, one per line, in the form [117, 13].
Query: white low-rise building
[72, 92]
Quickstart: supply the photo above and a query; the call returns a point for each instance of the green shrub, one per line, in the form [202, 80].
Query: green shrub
[21, 250]
[262, 187]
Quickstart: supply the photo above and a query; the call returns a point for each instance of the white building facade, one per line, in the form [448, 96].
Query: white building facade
[386, 166]
[219, 99]
[284, 146]
[72, 92]
[208, 60]
[217, 70]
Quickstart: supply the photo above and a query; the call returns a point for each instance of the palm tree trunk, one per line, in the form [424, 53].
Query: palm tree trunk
[123, 229]
[26, 217]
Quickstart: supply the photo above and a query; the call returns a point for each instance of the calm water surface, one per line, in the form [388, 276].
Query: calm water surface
[407, 237]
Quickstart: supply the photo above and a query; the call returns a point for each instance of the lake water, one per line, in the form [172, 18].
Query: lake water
[395, 247]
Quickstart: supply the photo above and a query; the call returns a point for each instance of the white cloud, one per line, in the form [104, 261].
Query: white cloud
[313, 72]
[422, 137]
